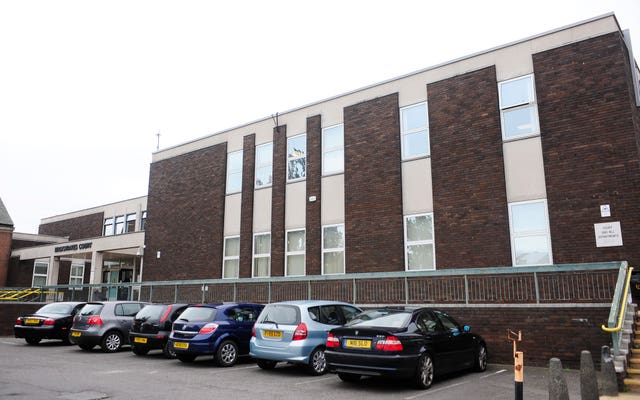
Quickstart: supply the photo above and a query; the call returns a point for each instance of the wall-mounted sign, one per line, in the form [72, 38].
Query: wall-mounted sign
[73, 247]
[608, 234]
[605, 210]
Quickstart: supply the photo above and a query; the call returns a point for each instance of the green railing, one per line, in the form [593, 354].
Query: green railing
[619, 306]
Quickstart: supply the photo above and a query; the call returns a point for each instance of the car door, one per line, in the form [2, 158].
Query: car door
[436, 339]
[459, 343]
[242, 318]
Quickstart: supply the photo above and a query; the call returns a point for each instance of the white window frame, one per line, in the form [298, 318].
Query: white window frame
[334, 249]
[513, 235]
[432, 242]
[226, 258]
[297, 158]
[288, 253]
[533, 103]
[326, 150]
[45, 275]
[254, 256]
[130, 217]
[234, 171]
[106, 224]
[73, 279]
[143, 220]
[263, 165]
[404, 132]
[122, 222]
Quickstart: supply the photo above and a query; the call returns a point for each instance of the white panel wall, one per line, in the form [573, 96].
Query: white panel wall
[262, 210]
[333, 199]
[524, 170]
[417, 188]
[232, 208]
[296, 211]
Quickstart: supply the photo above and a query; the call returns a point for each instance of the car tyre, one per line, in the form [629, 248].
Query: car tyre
[111, 342]
[266, 364]
[168, 351]
[139, 351]
[349, 377]
[317, 362]
[424, 372]
[227, 353]
[481, 359]
[186, 358]
[86, 347]
[32, 340]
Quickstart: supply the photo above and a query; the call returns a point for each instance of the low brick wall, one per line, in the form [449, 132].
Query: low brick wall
[10, 311]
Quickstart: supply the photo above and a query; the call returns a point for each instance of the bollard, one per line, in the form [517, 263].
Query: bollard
[609, 383]
[557, 383]
[518, 363]
[588, 378]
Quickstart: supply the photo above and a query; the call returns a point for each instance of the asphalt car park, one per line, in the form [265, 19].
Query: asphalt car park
[55, 371]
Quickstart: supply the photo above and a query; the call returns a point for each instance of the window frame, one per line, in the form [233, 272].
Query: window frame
[226, 258]
[288, 253]
[513, 235]
[234, 171]
[263, 165]
[111, 224]
[404, 132]
[254, 256]
[533, 103]
[119, 220]
[432, 242]
[288, 159]
[45, 275]
[73, 278]
[128, 218]
[326, 150]
[334, 249]
[143, 220]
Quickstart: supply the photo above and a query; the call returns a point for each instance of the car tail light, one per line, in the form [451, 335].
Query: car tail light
[208, 328]
[253, 331]
[391, 343]
[94, 320]
[332, 341]
[19, 321]
[166, 314]
[48, 321]
[301, 332]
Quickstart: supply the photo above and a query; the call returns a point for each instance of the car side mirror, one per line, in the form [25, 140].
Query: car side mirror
[466, 328]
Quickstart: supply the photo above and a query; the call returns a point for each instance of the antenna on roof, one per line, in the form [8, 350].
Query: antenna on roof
[274, 117]
[158, 143]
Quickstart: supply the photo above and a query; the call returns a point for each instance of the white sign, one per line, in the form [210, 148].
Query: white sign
[605, 210]
[608, 234]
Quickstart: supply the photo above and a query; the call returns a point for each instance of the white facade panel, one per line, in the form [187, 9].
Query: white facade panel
[232, 207]
[295, 215]
[333, 200]
[417, 187]
[262, 210]
[524, 170]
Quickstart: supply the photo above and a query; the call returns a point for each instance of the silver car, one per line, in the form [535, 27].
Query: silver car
[296, 332]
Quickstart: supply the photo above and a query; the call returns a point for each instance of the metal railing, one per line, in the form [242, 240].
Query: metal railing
[619, 307]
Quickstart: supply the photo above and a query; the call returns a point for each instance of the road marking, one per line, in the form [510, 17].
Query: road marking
[11, 343]
[113, 371]
[495, 373]
[235, 368]
[429, 392]
[314, 380]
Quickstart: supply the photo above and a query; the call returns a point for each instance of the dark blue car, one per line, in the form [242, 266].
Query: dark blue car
[221, 330]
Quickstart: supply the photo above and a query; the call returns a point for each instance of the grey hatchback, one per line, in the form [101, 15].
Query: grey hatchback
[104, 323]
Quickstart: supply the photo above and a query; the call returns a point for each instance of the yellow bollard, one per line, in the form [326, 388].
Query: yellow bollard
[518, 363]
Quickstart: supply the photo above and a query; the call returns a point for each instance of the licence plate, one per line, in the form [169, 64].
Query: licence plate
[76, 334]
[180, 345]
[30, 321]
[358, 344]
[140, 340]
[273, 334]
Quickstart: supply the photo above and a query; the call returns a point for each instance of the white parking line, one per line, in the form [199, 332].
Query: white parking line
[315, 380]
[235, 368]
[11, 343]
[495, 373]
[429, 392]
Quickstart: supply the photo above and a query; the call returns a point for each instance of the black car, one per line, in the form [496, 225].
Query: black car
[51, 321]
[407, 343]
[152, 326]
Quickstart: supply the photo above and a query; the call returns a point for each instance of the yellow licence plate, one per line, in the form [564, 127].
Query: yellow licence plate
[76, 334]
[180, 345]
[358, 344]
[140, 340]
[273, 334]
[31, 321]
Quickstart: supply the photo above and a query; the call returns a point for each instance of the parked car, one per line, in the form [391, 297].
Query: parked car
[221, 330]
[152, 326]
[104, 323]
[296, 332]
[51, 321]
[416, 344]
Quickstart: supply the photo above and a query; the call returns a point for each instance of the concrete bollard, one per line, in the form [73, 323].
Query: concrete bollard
[609, 382]
[557, 383]
[588, 378]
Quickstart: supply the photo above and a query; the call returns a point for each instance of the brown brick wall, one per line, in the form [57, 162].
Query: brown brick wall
[589, 147]
[5, 253]
[9, 312]
[314, 188]
[87, 226]
[373, 186]
[20, 273]
[278, 191]
[186, 216]
[246, 207]
[469, 191]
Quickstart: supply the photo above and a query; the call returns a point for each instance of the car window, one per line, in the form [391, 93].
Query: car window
[118, 310]
[151, 312]
[329, 315]
[382, 318]
[194, 314]
[177, 313]
[349, 312]
[77, 309]
[427, 322]
[241, 314]
[280, 314]
[449, 323]
[56, 308]
[91, 309]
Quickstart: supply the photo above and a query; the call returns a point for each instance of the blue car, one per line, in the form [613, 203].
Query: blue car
[221, 330]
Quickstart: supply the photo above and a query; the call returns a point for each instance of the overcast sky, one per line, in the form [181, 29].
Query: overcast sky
[86, 85]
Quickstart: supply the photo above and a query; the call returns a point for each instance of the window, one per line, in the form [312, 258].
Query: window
[295, 257]
[234, 172]
[418, 242]
[518, 109]
[119, 224]
[333, 249]
[333, 150]
[76, 276]
[40, 270]
[530, 238]
[297, 157]
[264, 164]
[261, 255]
[143, 222]
[131, 223]
[414, 129]
[230, 266]
[108, 227]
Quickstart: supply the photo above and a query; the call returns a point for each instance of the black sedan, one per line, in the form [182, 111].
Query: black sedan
[407, 343]
[51, 321]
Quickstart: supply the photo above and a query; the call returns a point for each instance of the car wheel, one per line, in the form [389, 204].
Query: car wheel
[227, 354]
[481, 359]
[111, 342]
[186, 358]
[266, 364]
[424, 372]
[168, 351]
[32, 340]
[86, 347]
[317, 362]
[349, 377]
[140, 351]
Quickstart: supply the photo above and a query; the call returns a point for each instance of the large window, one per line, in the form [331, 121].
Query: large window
[261, 255]
[414, 128]
[264, 165]
[418, 242]
[530, 238]
[333, 249]
[131, 223]
[40, 269]
[143, 222]
[108, 227]
[518, 109]
[297, 157]
[234, 172]
[119, 224]
[333, 150]
[230, 267]
[76, 275]
[295, 258]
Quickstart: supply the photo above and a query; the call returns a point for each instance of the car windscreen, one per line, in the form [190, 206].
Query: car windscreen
[280, 314]
[194, 314]
[151, 312]
[56, 308]
[91, 309]
[381, 319]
